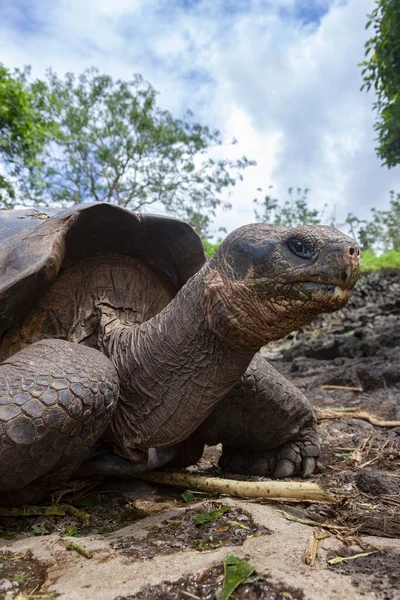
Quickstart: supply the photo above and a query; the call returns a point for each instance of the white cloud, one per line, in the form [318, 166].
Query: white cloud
[280, 76]
[115, 7]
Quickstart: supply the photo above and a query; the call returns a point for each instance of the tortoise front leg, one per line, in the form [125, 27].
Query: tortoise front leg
[265, 424]
[56, 400]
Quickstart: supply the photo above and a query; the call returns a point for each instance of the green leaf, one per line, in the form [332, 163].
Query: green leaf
[188, 496]
[342, 455]
[212, 516]
[70, 531]
[236, 571]
[39, 528]
[195, 495]
[102, 531]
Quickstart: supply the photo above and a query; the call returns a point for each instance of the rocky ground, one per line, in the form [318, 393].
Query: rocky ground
[135, 541]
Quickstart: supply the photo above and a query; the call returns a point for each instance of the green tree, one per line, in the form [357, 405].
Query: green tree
[24, 129]
[381, 69]
[369, 234]
[382, 232]
[356, 228]
[211, 247]
[110, 142]
[389, 223]
[293, 211]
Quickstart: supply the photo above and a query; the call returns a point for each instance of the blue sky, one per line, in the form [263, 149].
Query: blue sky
[281, 76]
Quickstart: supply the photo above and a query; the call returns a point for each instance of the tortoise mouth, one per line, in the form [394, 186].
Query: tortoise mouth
[328, 288]
[330, 292]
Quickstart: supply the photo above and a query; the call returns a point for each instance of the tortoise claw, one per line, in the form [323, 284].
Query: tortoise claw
[159, 457]
[308, 466]
[284, 468]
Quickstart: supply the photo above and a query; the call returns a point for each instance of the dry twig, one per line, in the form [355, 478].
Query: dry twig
[362, 415]
[282, 490]
[344, 388]
[59, 510]
[311, 523]
[311, 551]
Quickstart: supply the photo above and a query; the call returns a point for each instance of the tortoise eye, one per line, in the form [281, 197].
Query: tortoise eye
[299, 248]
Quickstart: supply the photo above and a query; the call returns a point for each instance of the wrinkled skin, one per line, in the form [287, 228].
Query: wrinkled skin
[156, 391]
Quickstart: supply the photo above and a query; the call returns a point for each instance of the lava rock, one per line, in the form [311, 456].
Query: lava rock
[376, 483]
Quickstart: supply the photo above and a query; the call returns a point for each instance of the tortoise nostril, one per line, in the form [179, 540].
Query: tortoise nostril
[352, 251]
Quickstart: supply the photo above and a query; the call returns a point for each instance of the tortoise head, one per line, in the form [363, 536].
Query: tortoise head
[265, 281]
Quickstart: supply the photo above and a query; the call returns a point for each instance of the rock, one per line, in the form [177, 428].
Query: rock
[376, 483]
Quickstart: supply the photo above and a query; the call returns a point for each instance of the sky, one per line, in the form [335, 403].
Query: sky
[280, 76]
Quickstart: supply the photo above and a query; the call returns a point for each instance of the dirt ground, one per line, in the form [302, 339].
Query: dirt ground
[133, 540]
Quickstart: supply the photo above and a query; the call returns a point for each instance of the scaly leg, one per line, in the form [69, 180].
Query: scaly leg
[265, 424]
[56, 399]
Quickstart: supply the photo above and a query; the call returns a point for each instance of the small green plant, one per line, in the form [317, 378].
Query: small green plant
[212, 516]
[69, 531]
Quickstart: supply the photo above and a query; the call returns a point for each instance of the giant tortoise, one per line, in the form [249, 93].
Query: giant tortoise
[123, 350]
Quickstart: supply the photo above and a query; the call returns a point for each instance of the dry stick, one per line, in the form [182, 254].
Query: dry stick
[59, 510]
[23, 596]
[310, 522]
[343, 409]
[345, 388]
[189, 595]
[273, 490]
[362, 415]
[311, 551]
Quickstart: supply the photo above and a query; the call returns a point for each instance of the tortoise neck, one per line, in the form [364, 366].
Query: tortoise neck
[173, 371]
